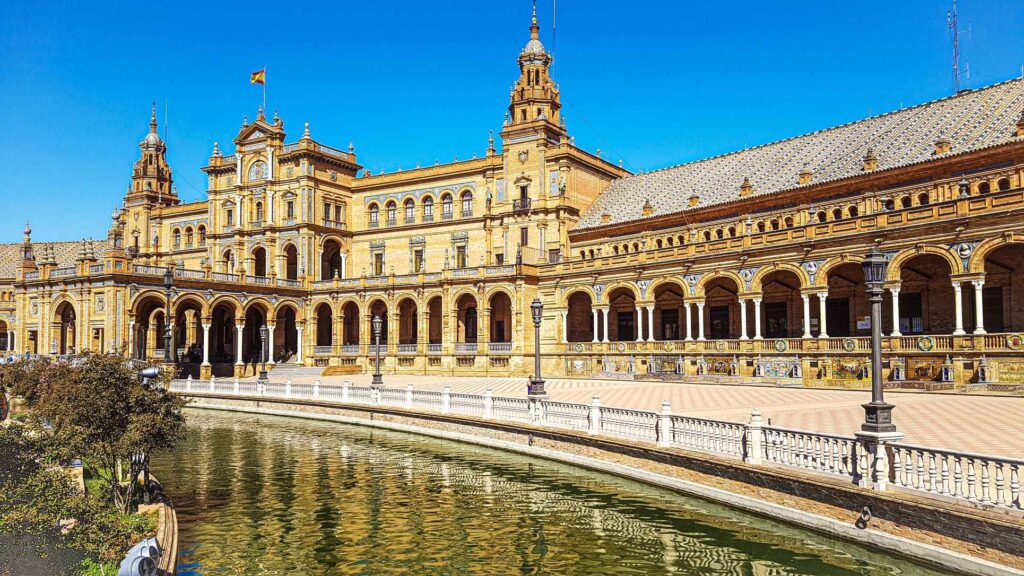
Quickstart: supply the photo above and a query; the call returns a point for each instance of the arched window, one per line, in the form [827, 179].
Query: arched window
[391, 208]
[890, 204]
[467, 203]
[707, 235]
[410, 210]
[681, 239]
[905, 202]
[583, 254]
[259, 211]
[669, 240]
[591, 252]
[822, 216]
[428, 209]
[760, 226]
[374, 215]
[636, 247]
[788, 222]
[615, 250]
[202, 235]
[852, 210]
[188, 237]
[719, 234]
[922, 199]
[1003, 184]
[732, 231]
[984, 188]
[446, 206]
[775, 224]
[660, 245]
[837, 214]
[177, 238]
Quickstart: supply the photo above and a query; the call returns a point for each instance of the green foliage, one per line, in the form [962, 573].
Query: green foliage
[88, 567]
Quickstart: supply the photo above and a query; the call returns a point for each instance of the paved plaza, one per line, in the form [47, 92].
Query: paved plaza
[983, 424]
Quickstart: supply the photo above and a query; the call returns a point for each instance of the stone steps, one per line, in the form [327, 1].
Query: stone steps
[285, 371]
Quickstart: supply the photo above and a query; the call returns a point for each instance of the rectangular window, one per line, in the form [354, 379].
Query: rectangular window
[460, 257]
[499, 259]
[327, 211]
[554, 255]
[291, 209]
[231, 217]
[524, 192]
[378, 264]
[417, 260]
[524, 237]
[911, 319]
[337, 213]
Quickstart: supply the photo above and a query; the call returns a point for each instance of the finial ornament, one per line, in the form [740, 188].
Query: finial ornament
[152, 119]
[259, 113]
[351, 148]
[533, 20]
[216, 149]
[305, 130]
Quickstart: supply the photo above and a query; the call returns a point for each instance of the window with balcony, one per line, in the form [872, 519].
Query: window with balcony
[188, 237]
[290, 209]
[374, 215]
[417, 260]
[202, 235]
[410, 211]
[446, 206]
[378, 263]
[428, 209]
[467, 204]
[391, 209]
[499, 259]
[461, 257]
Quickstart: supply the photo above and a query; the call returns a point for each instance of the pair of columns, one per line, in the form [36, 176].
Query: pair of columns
[958, 308]
[238, 356]
[10, 341]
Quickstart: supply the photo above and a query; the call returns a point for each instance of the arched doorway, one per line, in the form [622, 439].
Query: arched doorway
[324, 325]
[5, 343]
[147, 334]
[64, 341]
[434, 320]
[408, 322]
[782, 305]
[926, 302]
[721, 309]
[848, 301]
[378, 308]
[188, 332]
[501, 318]
[223, 338]
[228, 262]
[1001, 295]
[291, 262]
[330, 261]
[351, 326]
[580, 322]
[466, 317]
[259, 262]
[252, 349]
[622, 320]
[668, 312]
[286, 335]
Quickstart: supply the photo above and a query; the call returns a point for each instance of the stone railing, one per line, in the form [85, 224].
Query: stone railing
[434, 348]
[149, 270]
[288, 283]
[500, 347]
[350, 349]
[186, 273]
[960, 477]
[406, 348]
[224, 276]
[322, 350]
[466, 347]
[261, 280]
[62, 272]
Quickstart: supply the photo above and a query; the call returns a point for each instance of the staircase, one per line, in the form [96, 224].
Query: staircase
[285, 371]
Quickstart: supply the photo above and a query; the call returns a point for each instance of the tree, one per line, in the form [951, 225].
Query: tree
[97, 408]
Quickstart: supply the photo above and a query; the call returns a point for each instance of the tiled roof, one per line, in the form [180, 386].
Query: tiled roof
[64, 252]
[970, 120]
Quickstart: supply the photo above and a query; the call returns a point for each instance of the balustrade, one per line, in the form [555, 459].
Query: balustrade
[974, 477]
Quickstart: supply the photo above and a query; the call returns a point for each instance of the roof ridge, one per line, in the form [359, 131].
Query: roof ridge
[960, 94]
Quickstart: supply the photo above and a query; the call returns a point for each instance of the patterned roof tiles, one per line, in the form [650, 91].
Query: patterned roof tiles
[64, 252]
[970, 120]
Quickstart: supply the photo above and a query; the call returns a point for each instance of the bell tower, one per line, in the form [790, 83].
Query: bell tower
[535, 103]
[151, 176]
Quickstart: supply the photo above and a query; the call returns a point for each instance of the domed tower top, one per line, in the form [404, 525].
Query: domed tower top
[151, 176]
[535, 100]
[534, 48]
[152, 140]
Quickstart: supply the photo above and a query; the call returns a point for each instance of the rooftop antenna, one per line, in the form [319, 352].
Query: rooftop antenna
[165, 121]
[554, 38]
[953, 21]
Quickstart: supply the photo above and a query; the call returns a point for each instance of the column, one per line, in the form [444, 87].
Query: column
[822, 320]
[757, 318]
[344, 266]
[565, 326]
[807, 315]
[895, 290]
[270, 344]
[607, 312]
[958, 309]
[743, 319]
[595, 339]
[298, 345]
[206, 344]
[700, 320]
[238, 338]
[650, 323]
[979, 312]
[689, 321]
[131, 339]
[639, 324]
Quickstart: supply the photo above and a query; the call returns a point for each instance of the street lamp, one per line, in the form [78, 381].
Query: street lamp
[877, 414]
[168, 286]
[536, 388]
[263, 354]
[377, 322]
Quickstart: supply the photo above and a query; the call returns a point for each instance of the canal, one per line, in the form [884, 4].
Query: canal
[276, 495]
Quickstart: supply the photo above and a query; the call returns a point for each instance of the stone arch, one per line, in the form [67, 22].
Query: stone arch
[291, 260]
[379, 306]
[821, 277]
[901, 257]
[226, 299]
[615, 286]
[265, 306]
[585, 289]
[701, 286]
[982, 251]
[500, 289]
[669, 316]
[295, 306]
[193, 298]
[323, 319]
[142, 297]
[65, 324]
[408, 309]
[758, 278]
[467, 304]
[501, 307]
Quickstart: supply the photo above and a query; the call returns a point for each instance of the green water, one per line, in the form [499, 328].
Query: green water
[275, 495]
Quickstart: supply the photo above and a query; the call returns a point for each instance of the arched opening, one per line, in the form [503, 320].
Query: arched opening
[330, 260]
[259, 212]
[378, 308]
[228, 262]
[286, 335]
[223, 343]
[984, 188]
[176, 234]
[202, 235]
[847, 302]
[668, 312]
[147, 339]
[467, 203]
[5, 344]
[374, 211]
[410, 211]
[852, 211]
[324, 325]
[259, 261]
[434, 321]
[188, 333]
[291, 262]
[1002, 309]
[926, 296]
[837, 214]
[622, 320]
[782, 306]
[188, 237]
[351, 325]
[821, 217]
[721, 309]
[408, 322]
[64, 328]
[1003, 184]
[428, 209]
[580, 323]
[905, 202]
[466, 328]
[253, 351]
[392, 212]
[922, 199]
[446, 206]
[501, 318]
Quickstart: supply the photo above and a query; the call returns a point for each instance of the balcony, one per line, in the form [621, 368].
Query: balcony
[521, 204]
[335, 224]
[447, 216]
[374, 224]
[428, 217]
[392, 222]
[466, 347]
[434, 348]
[467, 213]
[350, 349]
[322, 350]
[407, 348]
[499, 347]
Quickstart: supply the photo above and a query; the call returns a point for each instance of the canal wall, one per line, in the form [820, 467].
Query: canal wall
[953, 537]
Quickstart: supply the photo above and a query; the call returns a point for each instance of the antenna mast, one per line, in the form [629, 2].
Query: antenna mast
[554, 38]
[953, 21]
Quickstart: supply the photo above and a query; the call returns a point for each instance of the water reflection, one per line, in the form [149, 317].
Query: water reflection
[270, 495]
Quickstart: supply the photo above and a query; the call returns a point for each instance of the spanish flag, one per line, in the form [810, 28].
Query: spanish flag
[258, 77]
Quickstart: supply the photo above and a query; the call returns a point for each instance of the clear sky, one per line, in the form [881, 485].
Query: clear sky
[655, 83]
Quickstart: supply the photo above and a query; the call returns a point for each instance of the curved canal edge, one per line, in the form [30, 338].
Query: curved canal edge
[166, 533]
[647, 465]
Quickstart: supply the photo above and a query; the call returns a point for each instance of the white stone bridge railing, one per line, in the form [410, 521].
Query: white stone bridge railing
[983, 481]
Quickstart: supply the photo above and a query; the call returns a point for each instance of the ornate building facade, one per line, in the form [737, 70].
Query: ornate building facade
[739, 268]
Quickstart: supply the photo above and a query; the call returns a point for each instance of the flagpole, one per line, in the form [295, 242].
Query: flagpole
[264, 89]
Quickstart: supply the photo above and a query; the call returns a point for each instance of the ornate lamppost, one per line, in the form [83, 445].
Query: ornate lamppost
[263, 354]
[877, 429]
[536, 391]
[377, 322]
[168, 287]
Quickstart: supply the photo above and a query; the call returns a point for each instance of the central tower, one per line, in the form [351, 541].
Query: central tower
[534, 104]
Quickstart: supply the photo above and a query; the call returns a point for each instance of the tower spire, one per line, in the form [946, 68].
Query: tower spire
[152, 119]
[534, 29]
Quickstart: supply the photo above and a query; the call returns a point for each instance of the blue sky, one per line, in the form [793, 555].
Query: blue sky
[657, 83]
